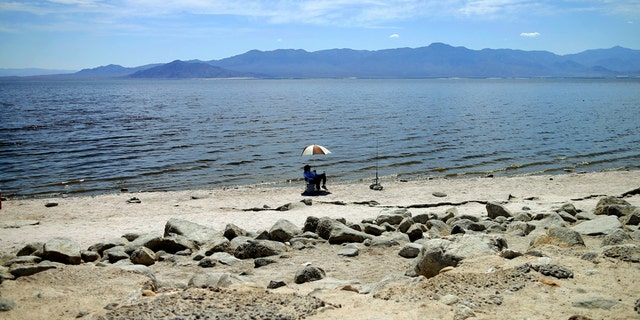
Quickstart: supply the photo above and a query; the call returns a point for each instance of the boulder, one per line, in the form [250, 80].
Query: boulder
[27, 270]
[495, 210]
[189, 230]
[326, 226]
[342, 234]
[309, 274]
[214, 280]
[373, 229]
[410, 250]
[258, 248]
[283, 230]
[558, 236]
[438, 228]
[62, 250]
[632, 219]
[115, 254]
[568, 208]
[30, 249]
[102, 246]
[143, 256]
[602, 225]
[405, 224]
[618, 236]
[231, 231]
[440, 253]
[216, 244]
[613, 206]
[311, 224]
[415, 232]
[392, 216]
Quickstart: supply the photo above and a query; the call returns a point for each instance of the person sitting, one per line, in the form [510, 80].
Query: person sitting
[315, 178]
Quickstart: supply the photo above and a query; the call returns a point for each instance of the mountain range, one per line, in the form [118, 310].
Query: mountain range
[434, 61]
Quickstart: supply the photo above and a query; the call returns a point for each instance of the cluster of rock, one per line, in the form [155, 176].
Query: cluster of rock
[435, 242]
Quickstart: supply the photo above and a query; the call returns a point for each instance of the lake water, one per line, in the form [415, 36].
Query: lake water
[93, 137]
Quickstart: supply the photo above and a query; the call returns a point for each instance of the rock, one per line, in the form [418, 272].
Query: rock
[624, 252]
[510, 254]
[30, 249]
[189, 230]
[437, 254]
[567, 217]
[520, 228]
[5, 274]
[373, 229]
[216, 244]
[349, 252]
[415, 232]
[115, 254]
[51, 204]
[89, 256]
[102, 246]
[405, 224]
[495, 210]
[143, 256]
[595, 303]
[225, 258]
[424, 217]
[231, 231]
[553, 270]
[261, 262]
[62, 250]
[258, 248]
[617, 237]
[309, 274]
[637, 307]
[283, 230]
[633, 219]
[275, 284]
[326, 226]
[558, 236]
[342, 234]
[613, 206]
[27, 270]
[462, 312]
[439, 194]
[214, 280]
[599, 226]
[311, 224]
[392, 216]
[410, 250]
[207, 262]
[568, 208]
[22, 260]
[438, 228]
[6, 304]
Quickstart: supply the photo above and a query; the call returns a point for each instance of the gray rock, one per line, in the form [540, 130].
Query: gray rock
[62, 250]
[439, 253]
[343, 234]
[6, 304]
[619, 236]
[410, 250]
[438, 228]
[207, 262]
[309, 274]
[392, 216]
[259, 248]
[326, 226]
[30, 249]
[214, 280]
[261, 262]
[632, 219]
[275, 284]
[90, 256]
[415, 232]
[225, 258]
[115, 254]
[283, 230]
[311, 224]
[584, 215]
[495, 210]
[625, 252]
[5, 274]
[568, 208]
[510, 254]
[601, 225]
[231, 231]
[22, 260]
[567, 216]
[191, 231]
[102, 246]
[143, 256]
[520, 228]
[558, 236]
[424, 217]
[217, 244]
[613, 206]
[405, 224]
[349, 251]
[439, 194]
[27, 270]
[595, 303]
[553, 270]
[373, 229]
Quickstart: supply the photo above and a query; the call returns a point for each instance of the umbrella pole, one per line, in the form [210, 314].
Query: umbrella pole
[376, 184]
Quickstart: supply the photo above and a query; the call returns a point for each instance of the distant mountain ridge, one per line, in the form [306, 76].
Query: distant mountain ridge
[434, 61]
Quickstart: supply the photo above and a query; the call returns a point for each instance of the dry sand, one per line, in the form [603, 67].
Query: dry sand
[84, 291]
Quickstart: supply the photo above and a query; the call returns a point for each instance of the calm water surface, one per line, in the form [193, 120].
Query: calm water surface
[91, 137]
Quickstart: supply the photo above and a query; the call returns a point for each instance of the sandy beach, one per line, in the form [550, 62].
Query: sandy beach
[601, 286]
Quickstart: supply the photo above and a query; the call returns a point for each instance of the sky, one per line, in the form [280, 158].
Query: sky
[78, 34]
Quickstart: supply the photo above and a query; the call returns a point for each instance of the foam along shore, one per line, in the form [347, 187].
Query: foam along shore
[88, 221]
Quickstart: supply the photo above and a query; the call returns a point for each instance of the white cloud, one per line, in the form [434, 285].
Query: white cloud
[530, 34]
[395, 35]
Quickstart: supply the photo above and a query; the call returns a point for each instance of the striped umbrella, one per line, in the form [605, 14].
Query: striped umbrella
[314, 149]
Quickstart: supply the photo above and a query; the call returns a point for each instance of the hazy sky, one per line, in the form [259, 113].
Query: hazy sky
[76, 34]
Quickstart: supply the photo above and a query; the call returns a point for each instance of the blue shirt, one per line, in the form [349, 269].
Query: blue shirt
[309, 175]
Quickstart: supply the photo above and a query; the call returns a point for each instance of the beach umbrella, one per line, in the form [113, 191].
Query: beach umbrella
[314, 149]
